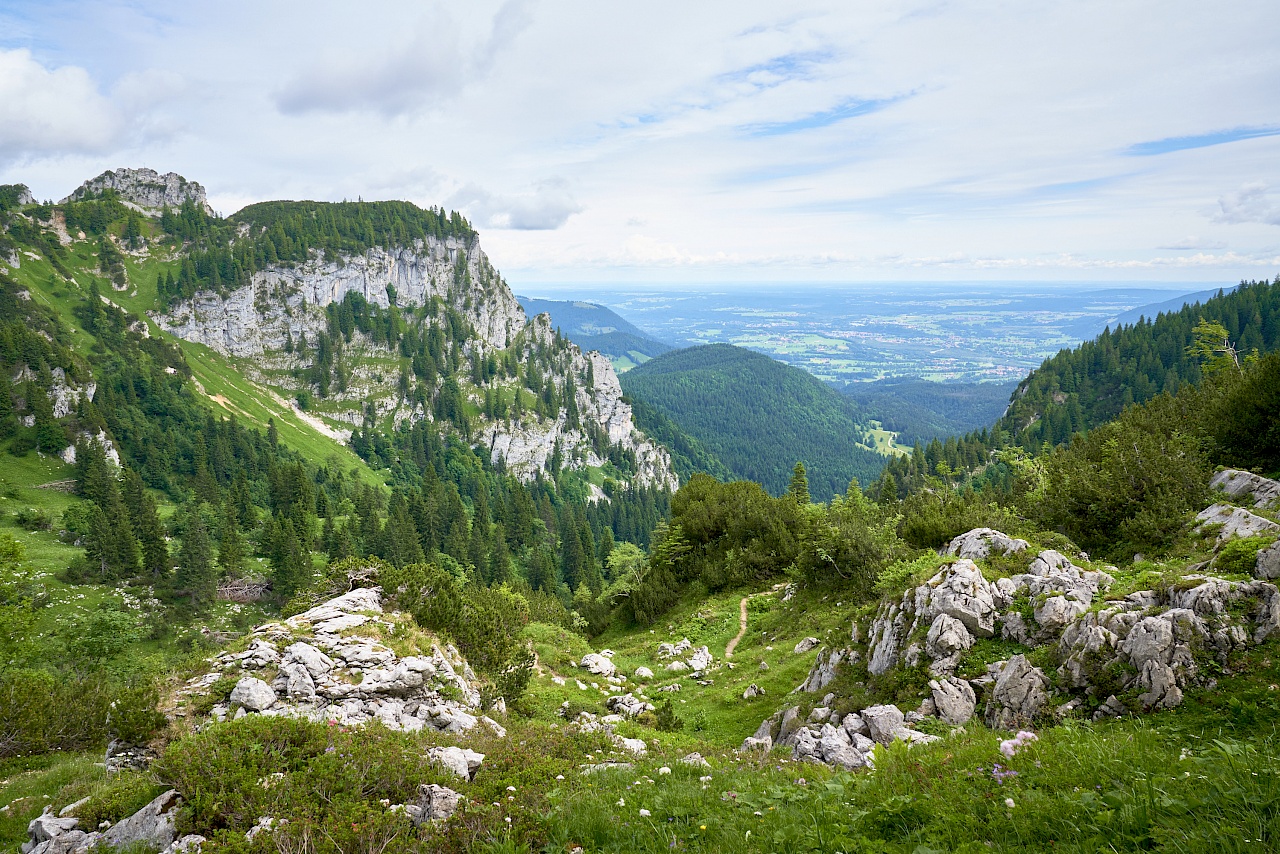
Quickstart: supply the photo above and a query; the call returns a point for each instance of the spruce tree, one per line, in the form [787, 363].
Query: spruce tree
[230, 542]
[197, 577]
[798, 489]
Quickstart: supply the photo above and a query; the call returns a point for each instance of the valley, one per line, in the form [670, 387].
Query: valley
[317, 541]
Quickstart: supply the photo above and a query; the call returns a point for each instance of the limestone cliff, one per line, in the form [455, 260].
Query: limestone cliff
[145, 190]
[274, 324]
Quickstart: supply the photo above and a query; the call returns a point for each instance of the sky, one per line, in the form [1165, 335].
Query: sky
[843, 142]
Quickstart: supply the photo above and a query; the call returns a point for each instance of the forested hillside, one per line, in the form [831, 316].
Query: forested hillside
[921, 410]
[1086, 387]
[143, 468]
[758, 416]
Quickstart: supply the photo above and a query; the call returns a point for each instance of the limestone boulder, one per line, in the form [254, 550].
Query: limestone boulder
[1238, 484]
[1018, 694]
[252, 694]
[953, 700]
[961, 592]
[981, 543]
[1236, 522]
[883, 722]
[461, 761]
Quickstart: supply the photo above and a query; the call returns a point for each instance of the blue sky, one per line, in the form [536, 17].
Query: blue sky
[717, 141]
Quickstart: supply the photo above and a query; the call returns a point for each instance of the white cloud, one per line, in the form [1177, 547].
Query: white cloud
[1008, 158]
[547, 207]
[1251, 203]
[1190, 243]
[47, 112]
[430, 62]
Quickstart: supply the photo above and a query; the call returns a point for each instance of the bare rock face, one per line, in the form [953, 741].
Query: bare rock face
[825, 668]
[953, 700]
[286, 304]
[961, 592]
[1238, 484]
[981, 543]
[1018, 695]
[145, 190]
[1235, 522]
[947, 638]
[1268, 564]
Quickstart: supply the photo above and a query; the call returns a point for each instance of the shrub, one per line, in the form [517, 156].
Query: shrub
[33, 519]
[666, 718]
[1241, 555]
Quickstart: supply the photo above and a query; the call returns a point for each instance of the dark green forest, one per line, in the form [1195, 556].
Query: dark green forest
[757, 416]
[1083, 388]
[920, 410]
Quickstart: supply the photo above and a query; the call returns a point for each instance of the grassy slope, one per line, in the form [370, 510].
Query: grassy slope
[217, 375]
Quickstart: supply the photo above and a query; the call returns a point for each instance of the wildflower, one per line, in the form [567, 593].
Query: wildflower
[1009, 803]
[511, 788]
[622, 802]
[702, 827]
[645, 813]
[1011, 746]
[706, 778]
[559, 776]
[663, 770]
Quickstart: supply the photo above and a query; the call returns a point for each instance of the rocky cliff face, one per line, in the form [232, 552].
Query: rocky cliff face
[144, 189]
[283, 305]
[256, 320]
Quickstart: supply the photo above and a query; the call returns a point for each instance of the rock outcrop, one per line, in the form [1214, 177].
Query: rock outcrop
[154, 828]
[325, 664]
[144, 190]
[1235, 521]
[981, 543]
[1262, 491]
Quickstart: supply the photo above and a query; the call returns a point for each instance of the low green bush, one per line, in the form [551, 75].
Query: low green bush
[1240, 556]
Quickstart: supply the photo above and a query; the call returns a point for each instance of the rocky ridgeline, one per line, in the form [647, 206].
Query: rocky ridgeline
[283, 304]
[145, 190]
[1152, 644]
[325, 665]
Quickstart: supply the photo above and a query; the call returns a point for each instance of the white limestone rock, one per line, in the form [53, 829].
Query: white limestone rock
[144, 190]
[953, 699]
[981, 543]
[461, 761]
[1239, 484]
[1235, 522]
[252, 694]
[1019, 693]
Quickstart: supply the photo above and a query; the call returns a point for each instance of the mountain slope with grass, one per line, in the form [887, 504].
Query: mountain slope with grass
[758, 416]
[278, 645]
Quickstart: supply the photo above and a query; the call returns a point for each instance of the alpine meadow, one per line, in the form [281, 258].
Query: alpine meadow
[748, 526]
